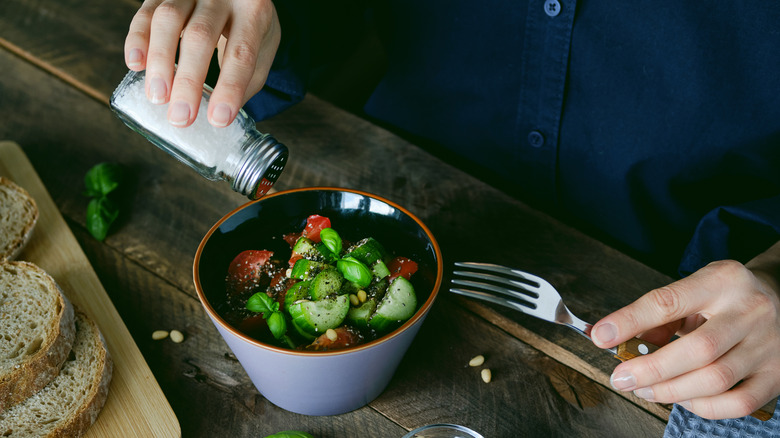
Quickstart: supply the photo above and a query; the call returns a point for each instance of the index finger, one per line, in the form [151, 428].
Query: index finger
[657, 308]
[137, 40]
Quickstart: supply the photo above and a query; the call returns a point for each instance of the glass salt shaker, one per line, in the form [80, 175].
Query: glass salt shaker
[238, 153]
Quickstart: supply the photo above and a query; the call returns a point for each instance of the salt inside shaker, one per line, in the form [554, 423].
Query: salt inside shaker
[238, 153]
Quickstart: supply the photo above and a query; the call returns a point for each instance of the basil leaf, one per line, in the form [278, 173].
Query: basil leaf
[102, 179]
[291, 434]
[101, 213]
[262, 303]
[277, 324]
[355, 271]
[332, 240]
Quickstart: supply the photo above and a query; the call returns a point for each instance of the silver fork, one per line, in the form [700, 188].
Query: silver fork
[518, 290]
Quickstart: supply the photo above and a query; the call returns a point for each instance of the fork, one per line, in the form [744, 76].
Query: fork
[533, 296]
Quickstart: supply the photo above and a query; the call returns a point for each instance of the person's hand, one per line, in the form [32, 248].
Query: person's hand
[726, 363]
[247, 33]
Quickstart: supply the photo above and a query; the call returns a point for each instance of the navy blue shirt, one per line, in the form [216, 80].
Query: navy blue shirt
[655, 123]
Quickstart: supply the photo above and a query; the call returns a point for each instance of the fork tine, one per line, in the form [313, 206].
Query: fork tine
[533, 289]
[515, 305]
[497, 289]
[530, 278]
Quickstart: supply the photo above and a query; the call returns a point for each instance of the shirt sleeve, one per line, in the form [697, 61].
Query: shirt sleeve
[738, 232]
[286, 82]
[315, 35]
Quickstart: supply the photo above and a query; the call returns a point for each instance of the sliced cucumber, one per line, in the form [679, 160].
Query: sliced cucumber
[359, 316]
[305, 269]
[315, 317]
[349, 287]
[377, 289]
[305, 247]
[327, 282]
[368, 251]
[398, 305]
[380, 269]
[302, 332]
[298, 291]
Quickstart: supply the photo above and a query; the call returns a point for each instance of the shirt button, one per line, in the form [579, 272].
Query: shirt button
[536, 139]
[552, 8]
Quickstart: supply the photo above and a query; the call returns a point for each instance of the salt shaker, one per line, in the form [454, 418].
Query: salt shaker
[238, 153]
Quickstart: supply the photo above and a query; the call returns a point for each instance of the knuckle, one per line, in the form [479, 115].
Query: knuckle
[654, 368]
[705, 347]
[185, 82]
[168, 11]
[669, 302]
[729, 270]
[145, 14]
[719, 378]
[201, 31]
[243, 54]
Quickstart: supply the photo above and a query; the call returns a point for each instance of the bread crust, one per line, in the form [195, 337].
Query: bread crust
[19, 241]
[87, 414]
[44, 365]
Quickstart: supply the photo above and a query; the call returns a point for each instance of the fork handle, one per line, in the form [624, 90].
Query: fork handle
[636, 347]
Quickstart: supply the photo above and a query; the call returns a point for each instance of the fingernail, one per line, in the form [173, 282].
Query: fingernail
[645, 393]
[179, 113]
[221, 115]
[134, 58]
[686, 404]
[605, 333]
[622, 381]
[158, 91]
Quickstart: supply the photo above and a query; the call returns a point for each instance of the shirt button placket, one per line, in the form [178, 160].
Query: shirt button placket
[552, 8]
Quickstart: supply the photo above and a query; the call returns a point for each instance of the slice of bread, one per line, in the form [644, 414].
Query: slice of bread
[37, 330]
[18, 216]
[70, 404]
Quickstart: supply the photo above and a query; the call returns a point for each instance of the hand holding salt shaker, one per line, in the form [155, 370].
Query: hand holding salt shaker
[238, 153]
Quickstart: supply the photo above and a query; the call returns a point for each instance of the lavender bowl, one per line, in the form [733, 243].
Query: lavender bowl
[313, 382]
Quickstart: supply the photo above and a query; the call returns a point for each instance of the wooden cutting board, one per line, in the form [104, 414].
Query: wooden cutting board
[136, 406]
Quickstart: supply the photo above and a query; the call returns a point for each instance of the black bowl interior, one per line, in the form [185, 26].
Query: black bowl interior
[261, 225]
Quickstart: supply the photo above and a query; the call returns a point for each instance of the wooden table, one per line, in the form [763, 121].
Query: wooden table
[59, 62]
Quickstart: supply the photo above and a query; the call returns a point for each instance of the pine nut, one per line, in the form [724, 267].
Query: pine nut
[486, 375]
[159, 334]
[362, 296]
[353, 299]
[477, 360]
[331, 334]
[176, 336]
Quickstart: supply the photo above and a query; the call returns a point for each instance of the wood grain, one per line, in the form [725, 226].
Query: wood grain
[135, 405]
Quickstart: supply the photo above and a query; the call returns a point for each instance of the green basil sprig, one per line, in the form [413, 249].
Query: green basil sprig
[354, 270]
[351, 268]
[101, 181]
[262, 303]
[331, 239]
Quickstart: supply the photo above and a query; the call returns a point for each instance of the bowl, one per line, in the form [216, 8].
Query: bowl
[318, 382]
